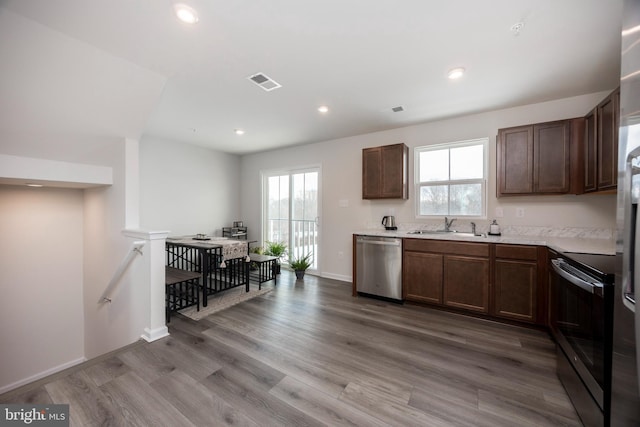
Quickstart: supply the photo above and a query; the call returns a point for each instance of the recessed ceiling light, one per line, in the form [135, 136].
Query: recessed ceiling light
[323, 109]
[456, 73]
[186, 13]
[34, 185]
[239, 132]
[517, 28]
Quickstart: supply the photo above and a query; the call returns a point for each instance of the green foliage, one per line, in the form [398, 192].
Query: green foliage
[300, 263]
[276, 249]
[257, 250]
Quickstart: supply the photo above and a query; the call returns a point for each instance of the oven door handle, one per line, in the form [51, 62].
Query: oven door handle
[589, 287]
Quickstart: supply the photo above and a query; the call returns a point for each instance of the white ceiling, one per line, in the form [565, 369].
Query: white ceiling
[128, 68]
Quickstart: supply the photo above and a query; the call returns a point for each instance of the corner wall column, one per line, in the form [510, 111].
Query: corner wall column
[152, 276]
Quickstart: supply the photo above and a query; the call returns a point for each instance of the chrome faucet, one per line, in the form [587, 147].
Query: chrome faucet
[447, 223]
[473, 228]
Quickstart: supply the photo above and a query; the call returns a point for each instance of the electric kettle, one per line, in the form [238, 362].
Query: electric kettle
[389, 222]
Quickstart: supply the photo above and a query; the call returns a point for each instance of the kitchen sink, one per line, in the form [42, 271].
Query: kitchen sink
[447, 232]
[471, 234]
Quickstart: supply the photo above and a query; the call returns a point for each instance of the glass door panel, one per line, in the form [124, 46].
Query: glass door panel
[291, 207]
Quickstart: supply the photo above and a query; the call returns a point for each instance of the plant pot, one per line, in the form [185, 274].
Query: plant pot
[299, 274]
[276, 267]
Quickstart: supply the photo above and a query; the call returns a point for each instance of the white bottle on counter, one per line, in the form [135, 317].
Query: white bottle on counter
[494, 228]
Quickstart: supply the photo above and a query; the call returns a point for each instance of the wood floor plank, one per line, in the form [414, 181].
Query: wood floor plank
[331, 411]
[147, 364]
[388, 410]
[305, 347]
[307, 371]
[183, 358]
[107, 370]
[34, 396]
[523, 413]
[252, 371]
[259, 405]
[196, 403]
[140, 404]
[88, 406]
[385, 357]
[308, 353]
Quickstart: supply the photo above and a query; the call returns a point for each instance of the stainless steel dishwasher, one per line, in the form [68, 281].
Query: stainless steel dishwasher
[379, 267]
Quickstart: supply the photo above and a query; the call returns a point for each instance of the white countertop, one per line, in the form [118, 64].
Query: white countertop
[560, 244]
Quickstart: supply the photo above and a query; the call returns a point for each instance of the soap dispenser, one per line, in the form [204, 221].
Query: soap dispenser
[494, 229]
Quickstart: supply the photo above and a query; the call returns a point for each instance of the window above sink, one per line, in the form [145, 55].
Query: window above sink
[451, 179]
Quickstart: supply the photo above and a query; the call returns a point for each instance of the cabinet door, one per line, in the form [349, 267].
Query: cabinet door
[371, 172]
[607, 151]
[384, 172]
[516, 290]
[466, 283]
[393, 166]
[422, 278]
[590, 152]
[515, 160]
[552, 157]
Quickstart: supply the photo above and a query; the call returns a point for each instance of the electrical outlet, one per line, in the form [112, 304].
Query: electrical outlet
[520, 212]
[499, 212]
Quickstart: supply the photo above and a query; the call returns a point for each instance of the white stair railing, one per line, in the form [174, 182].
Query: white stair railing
[136, 249]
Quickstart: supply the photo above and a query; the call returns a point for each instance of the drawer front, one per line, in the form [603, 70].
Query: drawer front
[447, 247]
[529, 253]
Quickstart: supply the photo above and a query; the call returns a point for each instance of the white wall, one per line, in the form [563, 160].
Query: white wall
[41, 312]
[341, 161]
[110, 326]
[60, 249]
[187, 189]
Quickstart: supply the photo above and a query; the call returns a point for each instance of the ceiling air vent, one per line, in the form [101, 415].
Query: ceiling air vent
[397, 109]
[264, 81]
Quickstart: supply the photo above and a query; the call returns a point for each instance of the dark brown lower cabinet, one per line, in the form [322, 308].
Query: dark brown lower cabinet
[466, 283]
[519, 283]
[515, 290]
[453, 274]
[423, 277]
[499, 280]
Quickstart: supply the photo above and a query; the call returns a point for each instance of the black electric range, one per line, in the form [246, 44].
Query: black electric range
[602, 267]
[582, 291]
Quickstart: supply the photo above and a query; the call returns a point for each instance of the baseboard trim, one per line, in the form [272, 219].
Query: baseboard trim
[339, 277]
[40, 375]
[155, 334]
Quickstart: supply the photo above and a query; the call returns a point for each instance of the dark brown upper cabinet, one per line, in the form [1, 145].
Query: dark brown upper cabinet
[601, 145]
[534, 159]
[385, 172]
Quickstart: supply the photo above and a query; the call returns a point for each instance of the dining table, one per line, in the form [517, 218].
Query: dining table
[222, 262]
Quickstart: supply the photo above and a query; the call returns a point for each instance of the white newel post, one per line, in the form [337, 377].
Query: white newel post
[153, 276]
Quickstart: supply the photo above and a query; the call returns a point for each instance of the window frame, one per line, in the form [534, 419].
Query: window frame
[418, 185]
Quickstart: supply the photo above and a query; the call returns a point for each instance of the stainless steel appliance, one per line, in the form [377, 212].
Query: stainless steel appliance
[582, 288]
[625, 398]
[389, 222]
[379, 267]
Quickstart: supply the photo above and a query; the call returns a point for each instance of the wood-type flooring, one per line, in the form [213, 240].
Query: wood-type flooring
[310, 354]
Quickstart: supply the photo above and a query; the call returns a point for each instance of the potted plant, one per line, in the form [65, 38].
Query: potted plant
[258, 250]
[276, 249]
[300, 264]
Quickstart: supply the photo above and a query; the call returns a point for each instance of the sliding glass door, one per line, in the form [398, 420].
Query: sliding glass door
[291, 206]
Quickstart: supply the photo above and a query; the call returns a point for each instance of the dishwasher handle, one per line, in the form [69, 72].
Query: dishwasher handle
[386, 242]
